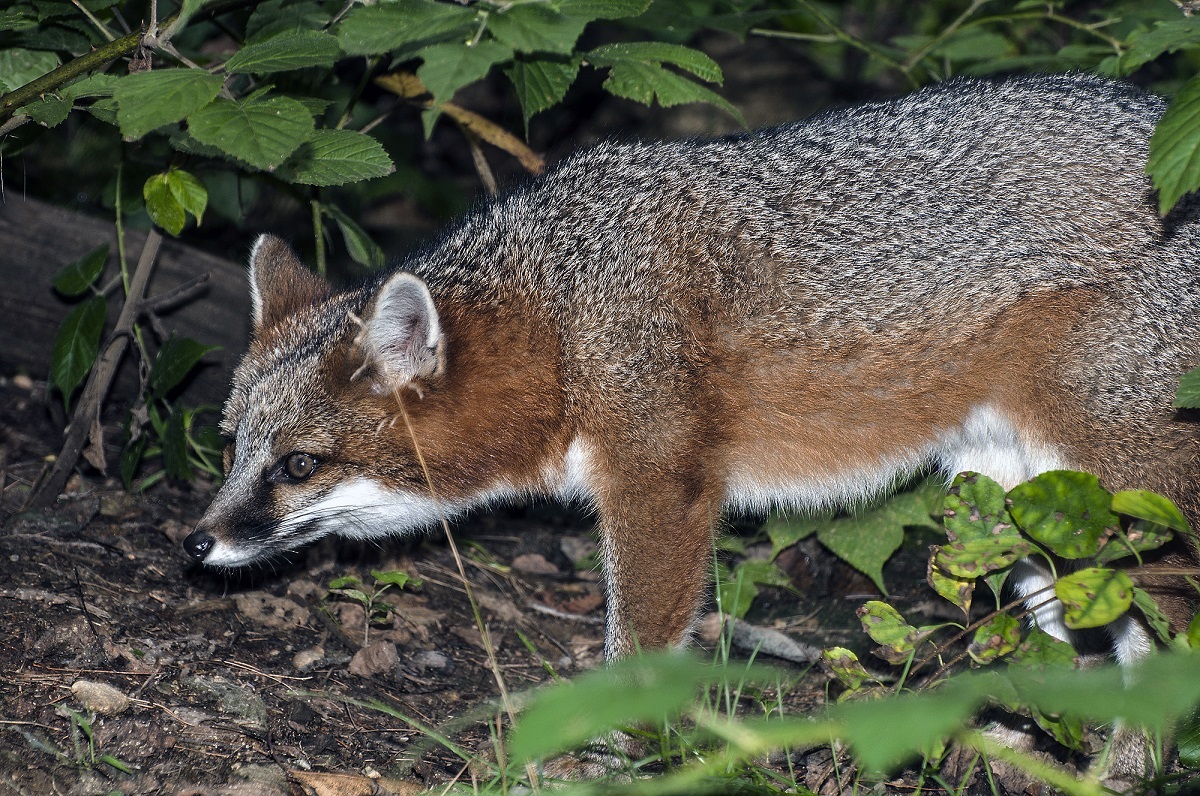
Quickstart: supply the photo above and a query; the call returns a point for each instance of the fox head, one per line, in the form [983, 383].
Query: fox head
[320, 439]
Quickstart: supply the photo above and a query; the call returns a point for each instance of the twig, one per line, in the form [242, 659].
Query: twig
[481, 164]
[175, 296]
[100, 379]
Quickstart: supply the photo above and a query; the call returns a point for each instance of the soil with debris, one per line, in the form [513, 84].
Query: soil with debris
[125, 668]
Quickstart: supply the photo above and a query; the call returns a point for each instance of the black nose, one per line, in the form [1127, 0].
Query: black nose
[198, 543]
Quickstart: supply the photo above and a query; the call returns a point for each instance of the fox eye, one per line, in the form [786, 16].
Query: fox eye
[299, 466]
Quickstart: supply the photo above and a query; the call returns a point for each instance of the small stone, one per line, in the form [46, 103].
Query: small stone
[431, 660]
[306, 659]
[534, 564]
[378, 657]
[100, 698]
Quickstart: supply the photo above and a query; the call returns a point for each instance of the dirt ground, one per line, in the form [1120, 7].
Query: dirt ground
[125, 668]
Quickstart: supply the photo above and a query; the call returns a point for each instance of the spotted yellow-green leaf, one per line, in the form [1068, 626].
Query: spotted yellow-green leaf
[1150, 507]
[844, 665]
[995, 638]
[886, 627]
[977, 557]
[959, 591]
[1094, 597]
[974, 509]
[1066, 511]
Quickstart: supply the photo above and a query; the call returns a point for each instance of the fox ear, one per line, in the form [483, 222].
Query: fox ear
[402, 334]
[279, 283]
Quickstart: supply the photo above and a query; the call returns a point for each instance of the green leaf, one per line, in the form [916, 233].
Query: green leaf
[1151, 507]
[189, 192]
[149, 100]
[174, 448]
[646, 82]
[785, 530]
[1154, 615]
[174, 361]
[885, 732]
[541, 83]
[19, 66]
[1065, 511]
[845, 666]
[1165, 37]
[1141, 537]
[131, 459]
[285, 52]
[978, 557]
[886, 627]
[99, 85]
[1187, 740]
[49, 111]
[276, 17]
[658, 53]
[534, 27]
[974, 509]
[362, 249]
[738, 590]
[1188, 394]
[343, 582]
[376, 29]
[394, 577]
[261, 132]
[1041, 650]
[1094, 597]
[959, 591]
[336, 157]
[1193, 633]
[995, 639]
[75, 277]
[1174, 164]
[172, 194]
[449, 67]
[868, 540]
[77, 345]
[603, 9]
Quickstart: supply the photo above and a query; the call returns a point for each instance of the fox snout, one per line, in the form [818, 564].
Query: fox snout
[198, 544]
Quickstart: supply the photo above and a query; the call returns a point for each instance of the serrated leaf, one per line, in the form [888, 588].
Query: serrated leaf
[449, 67]
[376, 29]
[75, 277]
[49, 111]
[1165, 37]
[77, 345]
[1188, 394]
[149, 100]
[362, 249]
[277, 17]
[337, 157]
[164, 209]
[974, 509]
[868, 540]
[738, 590]
[261, 132]
[658, 53]
[536, 28]
[785, 530]
[645, 83]
[1151, 507]
[959, 591]
[285, 52]
[541, 83]
[995, 639]
[1093, 597]
[174, 361]
[603, 9]
[99, 85]
[189, 192]
[19, 66]
[1174, 164]
[1066, 511]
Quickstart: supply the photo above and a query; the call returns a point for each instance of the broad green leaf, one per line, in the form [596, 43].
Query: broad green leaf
[1065, 511]
[603, 9]
[164, 209]
[868, 540]
[738, 590]
[1040, 649]
[1141, 537]
[174, 361]
[189, 192]
[541, 83]
[1174, 164]
[20, 66]
[449, 67]
[149, 100]
[77, 345]
[336, 157]
[343, 582]
[276, 17]
[845, 666]
[394, 577]
[131, 459]
[536, 28]
[75, 277]
[1193, 633]
[886, 732]
[974, 44]
[99, 85]
[354, 594]
[658, 53]
[285, 52]
[959, 591]
[362, 249]
[645, 83]
[886, 627]
[174, 448]
[1188, 394]
[376, 29]
[49, 111]
[996, 638]
[978, 557]
[1093, 597]
[644, 688]
[1165, 37]
[1151, 507]
[1154, 615]
[1187, 741]
[974, 509]
[785, 530]
[261, 132]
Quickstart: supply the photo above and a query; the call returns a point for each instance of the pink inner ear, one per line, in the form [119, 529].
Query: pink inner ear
[282, 285]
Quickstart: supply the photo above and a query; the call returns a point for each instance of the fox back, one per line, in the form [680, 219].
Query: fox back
[972, 277]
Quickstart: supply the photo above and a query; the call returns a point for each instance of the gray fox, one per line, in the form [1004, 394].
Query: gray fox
[972, 277]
